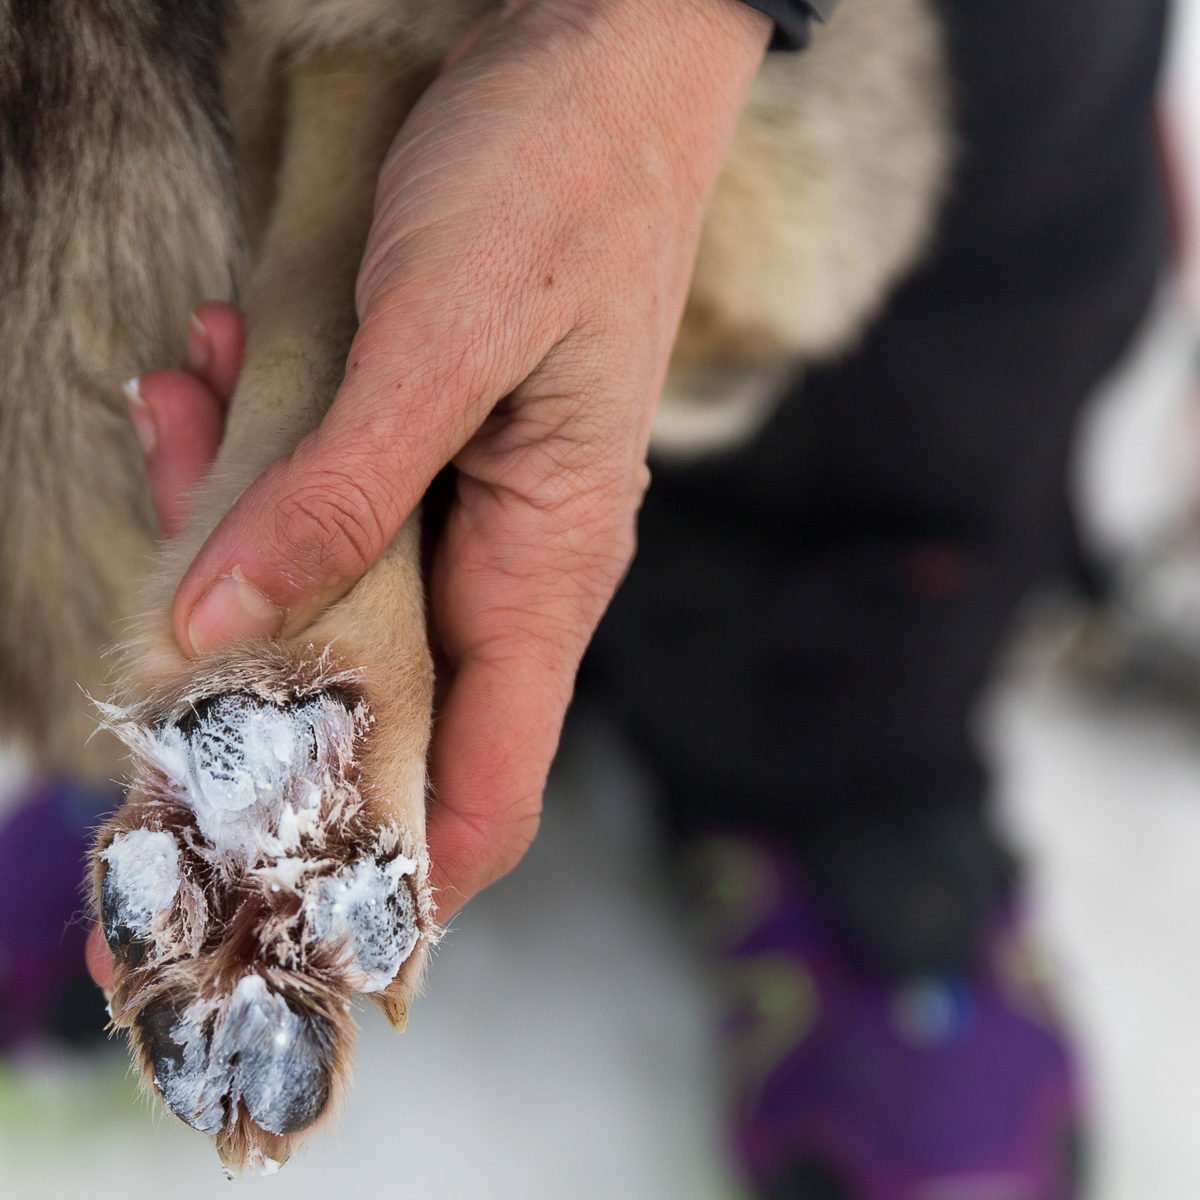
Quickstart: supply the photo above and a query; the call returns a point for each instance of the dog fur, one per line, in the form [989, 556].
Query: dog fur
[142, 171]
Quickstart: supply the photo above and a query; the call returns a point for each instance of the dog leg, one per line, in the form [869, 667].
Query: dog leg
[269, 862]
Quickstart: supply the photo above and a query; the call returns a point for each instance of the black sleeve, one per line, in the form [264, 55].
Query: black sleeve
[792, 19]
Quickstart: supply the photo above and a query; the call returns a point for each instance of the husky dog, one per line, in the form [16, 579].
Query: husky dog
[269, 862]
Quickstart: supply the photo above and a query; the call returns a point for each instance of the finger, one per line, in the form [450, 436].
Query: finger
[180, 421]
[516, 597]
[307, 529]
[99, 960]
[216, 345]
[490, 757]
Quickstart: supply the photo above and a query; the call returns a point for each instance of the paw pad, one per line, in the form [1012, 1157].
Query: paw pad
[369, 908]
[141, 880]
[251, 770]
[249, 889]
[253, 1050]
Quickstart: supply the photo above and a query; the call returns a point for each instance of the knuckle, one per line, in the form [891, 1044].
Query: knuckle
[329, 527]
[495, 843]
[600, 569]
[605, 553]
[517, 833]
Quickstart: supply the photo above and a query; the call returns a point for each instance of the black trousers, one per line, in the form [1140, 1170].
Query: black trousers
[810, 619]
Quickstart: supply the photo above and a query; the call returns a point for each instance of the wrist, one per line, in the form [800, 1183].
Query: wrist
[681, 67]
[730, 35]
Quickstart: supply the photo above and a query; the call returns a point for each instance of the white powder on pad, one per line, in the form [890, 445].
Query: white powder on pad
[252, 772]
[143, 875]
[253, 1048]
[368, 907]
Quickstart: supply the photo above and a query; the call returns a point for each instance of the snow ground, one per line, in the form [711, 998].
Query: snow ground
[563, 1048]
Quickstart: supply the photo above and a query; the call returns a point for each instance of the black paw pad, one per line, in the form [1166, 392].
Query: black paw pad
[239, 761]
[253, 1049]
[141, 881]
[368, 908]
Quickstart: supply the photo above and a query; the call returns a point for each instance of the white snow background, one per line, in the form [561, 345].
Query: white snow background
[562, 1052]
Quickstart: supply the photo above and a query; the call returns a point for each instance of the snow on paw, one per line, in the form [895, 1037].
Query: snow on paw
[141, 881]
[249, 887]
[252, 1050]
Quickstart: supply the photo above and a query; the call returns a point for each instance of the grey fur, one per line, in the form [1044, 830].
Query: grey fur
[116, 219]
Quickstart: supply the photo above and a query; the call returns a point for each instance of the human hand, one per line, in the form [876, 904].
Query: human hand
[535, 228]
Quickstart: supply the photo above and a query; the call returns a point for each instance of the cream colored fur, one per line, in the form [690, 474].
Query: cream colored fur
[827, 198]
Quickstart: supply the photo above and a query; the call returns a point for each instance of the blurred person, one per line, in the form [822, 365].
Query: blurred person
[812, 616]
[45, 829]
[811, 619]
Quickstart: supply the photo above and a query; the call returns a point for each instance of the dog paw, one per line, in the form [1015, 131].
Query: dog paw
[252, 884]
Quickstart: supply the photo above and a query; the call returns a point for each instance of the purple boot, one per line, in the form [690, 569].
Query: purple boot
[847, 1086]
[44, 987]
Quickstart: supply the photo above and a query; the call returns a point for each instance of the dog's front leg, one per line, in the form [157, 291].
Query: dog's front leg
[269, 862]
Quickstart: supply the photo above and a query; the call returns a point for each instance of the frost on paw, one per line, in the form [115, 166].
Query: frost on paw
[141, 881]
[369, 909]
[255, 774]
[254, 1050]
[249, 888]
